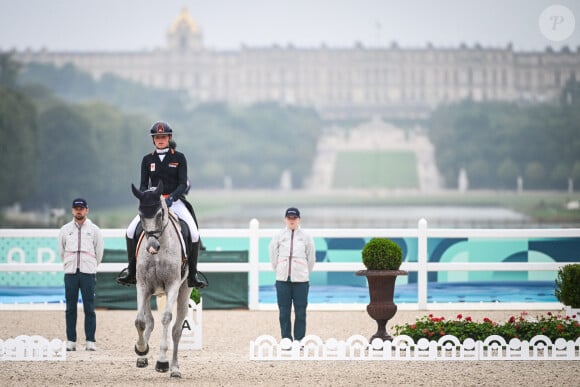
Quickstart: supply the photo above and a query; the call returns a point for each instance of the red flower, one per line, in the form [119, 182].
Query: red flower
[459, 316]
[441, 333]
[468, 318]
[512, 320]
[487, 320]
[414, 326]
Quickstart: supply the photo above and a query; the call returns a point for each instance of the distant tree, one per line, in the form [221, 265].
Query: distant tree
[479, 173]
[121, 140]
[219, 140]
[9, 70]
[576, 173]
[239, 141]
[212, 173]
[483, 136]
[19, 147]
[507, 174]
[68, 158]
[66, 81]
[534, 175]
[570, 95]
[559, 176]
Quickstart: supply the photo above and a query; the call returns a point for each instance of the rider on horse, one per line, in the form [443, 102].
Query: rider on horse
[169, 166]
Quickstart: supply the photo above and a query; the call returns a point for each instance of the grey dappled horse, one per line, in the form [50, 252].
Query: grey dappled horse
[159, 263]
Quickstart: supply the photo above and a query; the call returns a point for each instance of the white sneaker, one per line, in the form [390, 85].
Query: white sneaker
[91, 346]
[71, 346]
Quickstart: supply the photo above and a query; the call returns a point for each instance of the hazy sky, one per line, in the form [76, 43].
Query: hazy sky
[133, 25]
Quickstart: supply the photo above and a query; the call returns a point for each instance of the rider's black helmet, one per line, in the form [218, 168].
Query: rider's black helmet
[161, 127]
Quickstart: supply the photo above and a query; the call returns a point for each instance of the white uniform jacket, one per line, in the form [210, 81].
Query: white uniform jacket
[80, 247]
[300, 265]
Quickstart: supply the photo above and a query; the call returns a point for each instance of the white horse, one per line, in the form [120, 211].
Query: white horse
[159, 272]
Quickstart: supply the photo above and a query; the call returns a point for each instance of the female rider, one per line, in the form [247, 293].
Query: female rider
[169, 166]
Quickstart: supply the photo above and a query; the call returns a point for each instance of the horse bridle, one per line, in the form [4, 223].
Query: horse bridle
[157, 233]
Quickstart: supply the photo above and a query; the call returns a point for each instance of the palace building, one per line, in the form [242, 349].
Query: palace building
[348, 82]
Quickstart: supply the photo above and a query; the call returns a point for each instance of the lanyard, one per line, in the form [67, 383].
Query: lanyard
[290, 257]
[79, 248]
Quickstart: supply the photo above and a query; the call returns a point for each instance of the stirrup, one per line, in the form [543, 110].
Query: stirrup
[125, 279]
[196, 282]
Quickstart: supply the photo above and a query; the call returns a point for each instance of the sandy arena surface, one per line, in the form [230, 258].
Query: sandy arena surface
[224, 359]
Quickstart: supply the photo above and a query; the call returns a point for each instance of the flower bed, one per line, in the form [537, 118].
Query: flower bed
[523, 327]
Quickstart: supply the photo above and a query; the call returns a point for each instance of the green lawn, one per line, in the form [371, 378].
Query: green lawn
[376, 169]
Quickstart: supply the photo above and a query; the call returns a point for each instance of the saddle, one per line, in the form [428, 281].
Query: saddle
[185, 233]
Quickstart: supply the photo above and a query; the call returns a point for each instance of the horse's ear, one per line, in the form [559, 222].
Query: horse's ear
[159, 189]
[138, 194]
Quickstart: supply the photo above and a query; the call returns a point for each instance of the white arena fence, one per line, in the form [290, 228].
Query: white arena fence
[254, 267]
[447, 348]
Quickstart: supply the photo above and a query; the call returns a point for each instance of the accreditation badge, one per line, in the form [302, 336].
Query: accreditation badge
[152, 167]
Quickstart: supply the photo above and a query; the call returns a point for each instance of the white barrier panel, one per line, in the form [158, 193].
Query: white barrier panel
[191, 330]
[254, 267]
[32, 348]
[447, 348]
[191, 336]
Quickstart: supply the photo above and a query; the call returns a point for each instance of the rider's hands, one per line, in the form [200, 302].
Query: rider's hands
[169, 201]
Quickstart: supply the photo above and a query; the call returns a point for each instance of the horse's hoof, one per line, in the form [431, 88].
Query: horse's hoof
[175, 374]
[162, 366]
[142, 362]
[143, 353]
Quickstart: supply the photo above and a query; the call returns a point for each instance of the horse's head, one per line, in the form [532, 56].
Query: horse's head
[153, 214]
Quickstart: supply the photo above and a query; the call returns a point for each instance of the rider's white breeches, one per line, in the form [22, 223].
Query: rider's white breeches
[182, 213]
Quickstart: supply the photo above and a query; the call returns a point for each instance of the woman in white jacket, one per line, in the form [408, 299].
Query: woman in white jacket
[292, 254]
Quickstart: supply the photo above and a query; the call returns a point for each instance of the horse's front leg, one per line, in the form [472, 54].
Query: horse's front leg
[144, 323]
[162, 362]
[182, 307]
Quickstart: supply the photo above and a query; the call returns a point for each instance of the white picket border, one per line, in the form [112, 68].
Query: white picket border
[32, 348]
[447, 348]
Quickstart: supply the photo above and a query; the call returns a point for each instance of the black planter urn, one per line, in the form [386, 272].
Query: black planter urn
[381, 292]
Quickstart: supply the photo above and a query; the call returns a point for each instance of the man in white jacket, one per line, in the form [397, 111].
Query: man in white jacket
[292, 254]
[80, 246]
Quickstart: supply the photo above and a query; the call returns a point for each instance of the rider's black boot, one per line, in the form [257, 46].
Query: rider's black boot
[193, 280]
[127, 276]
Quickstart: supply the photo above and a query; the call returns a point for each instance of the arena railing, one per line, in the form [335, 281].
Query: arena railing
[422, 233]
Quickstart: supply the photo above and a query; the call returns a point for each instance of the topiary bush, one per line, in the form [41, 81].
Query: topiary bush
[568, 285]
[382, 254]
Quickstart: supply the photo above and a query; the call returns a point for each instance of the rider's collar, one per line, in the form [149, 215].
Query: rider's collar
[162, 151]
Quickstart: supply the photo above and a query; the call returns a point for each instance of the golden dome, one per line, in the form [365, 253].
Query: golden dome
[184, 18]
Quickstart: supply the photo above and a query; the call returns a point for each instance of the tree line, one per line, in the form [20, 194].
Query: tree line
[87, 138]
[498, 142]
